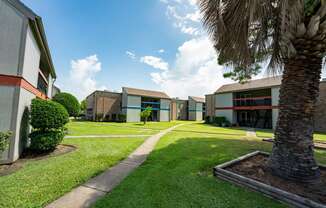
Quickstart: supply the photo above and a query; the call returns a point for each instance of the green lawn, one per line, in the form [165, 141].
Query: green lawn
[41, 182]
[110, 128]
[178, 173]
[265, 133]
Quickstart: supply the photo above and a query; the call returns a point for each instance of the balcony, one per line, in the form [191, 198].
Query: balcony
[253, 101]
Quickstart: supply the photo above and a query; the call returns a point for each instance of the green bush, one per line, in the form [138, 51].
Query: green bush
[221, 121]
[47, 115]
[207, 119]
[45, 141]
[122, 118]
[69, 101]
[4, 140]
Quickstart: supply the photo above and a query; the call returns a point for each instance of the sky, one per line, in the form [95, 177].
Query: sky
[148, 44]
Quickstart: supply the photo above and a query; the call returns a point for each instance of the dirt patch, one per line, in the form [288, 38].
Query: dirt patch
[317, 144]
[255, 168]
[30, 156]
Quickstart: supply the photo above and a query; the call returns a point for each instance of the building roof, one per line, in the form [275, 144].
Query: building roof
[36, 25]
[197, 99]
[251, 85]
[145, 93]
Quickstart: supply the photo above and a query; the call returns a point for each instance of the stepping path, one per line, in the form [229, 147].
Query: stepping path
[88, 193]
[251, 133]
[108, 136]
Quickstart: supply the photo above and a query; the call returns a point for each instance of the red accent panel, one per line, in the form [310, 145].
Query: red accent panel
[254, 98]
[262, 107]
[10, 80]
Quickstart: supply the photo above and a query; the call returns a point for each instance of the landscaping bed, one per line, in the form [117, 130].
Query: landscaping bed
[30, 156]
[251, 171]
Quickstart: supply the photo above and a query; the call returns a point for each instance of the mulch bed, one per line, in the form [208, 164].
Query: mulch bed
[317, 144]
[255, 168]
[29, 156]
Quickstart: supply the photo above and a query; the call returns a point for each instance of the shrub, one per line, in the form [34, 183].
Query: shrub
[122, 118]
[221, 121]
[69, 101]
[207, 119]
[4, 140]
[44, 141]
[47, 115]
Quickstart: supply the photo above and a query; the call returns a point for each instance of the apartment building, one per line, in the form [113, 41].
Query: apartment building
[256, 103]
[26, 71]
[109, 106]
[196, 108]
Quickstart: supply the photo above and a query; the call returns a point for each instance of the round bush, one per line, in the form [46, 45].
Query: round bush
[45, 141]
[47, 115]
[69, 101]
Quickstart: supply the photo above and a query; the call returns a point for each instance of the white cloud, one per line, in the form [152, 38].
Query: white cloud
[131, 54]
[155, 62]
[161, 51]
[185, 16]
[195, 71]
[81, 81]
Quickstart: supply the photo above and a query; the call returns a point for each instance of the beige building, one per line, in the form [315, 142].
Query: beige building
[26, 72]
[196, 108]
[103, 106]
[256, 103]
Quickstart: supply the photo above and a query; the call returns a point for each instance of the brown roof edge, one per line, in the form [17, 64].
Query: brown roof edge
[197, 99]
[251, 85]
[145, 93]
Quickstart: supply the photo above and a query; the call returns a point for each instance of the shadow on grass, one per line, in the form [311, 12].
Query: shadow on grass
[178, 173]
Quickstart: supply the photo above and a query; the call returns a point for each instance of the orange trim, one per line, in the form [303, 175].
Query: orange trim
[10, 80]
[260, 107]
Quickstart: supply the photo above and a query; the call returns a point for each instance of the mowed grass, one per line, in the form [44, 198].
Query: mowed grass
[266, 133]
[178, 173]
[76, 128]
[41, 182]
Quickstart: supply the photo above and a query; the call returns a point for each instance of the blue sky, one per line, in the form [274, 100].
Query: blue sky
[150, 44]
[107, 44]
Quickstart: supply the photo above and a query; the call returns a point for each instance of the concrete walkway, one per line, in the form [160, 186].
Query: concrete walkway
[251, 133]
[108, 136]
[88, 193]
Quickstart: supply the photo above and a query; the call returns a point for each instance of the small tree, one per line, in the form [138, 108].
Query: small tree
[69, 101]
[145, 114]
[83, 106]
[47, 119]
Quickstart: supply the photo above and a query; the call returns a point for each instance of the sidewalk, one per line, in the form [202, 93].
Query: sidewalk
[88, 193]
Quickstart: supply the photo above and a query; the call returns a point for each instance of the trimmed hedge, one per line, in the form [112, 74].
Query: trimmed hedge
[69, 101]
[48, 115]
[46, 141]
[4, 140]
[48, 119]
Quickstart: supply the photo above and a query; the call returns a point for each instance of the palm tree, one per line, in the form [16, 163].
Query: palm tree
[291, 36]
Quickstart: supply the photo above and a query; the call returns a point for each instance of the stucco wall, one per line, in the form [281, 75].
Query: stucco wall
[31, 59]
[6, 110]
[228, 114]
[210, 105]
[11, 27]
[192, 110]
[165, 110]
[133, 108]
[22, 124]
[275, 102]
[222, 101]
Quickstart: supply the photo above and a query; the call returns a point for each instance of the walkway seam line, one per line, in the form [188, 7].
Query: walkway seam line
[86, 194]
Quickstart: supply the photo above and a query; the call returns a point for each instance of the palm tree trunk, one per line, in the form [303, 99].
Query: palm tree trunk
[293, 153]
